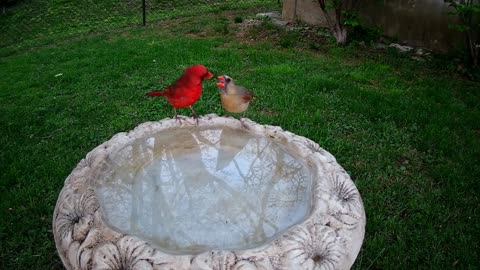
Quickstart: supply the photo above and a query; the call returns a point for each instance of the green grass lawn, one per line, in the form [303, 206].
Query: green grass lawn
[30, 23]
[407, 131]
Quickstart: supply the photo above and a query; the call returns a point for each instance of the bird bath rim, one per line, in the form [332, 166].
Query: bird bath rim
[331, 235]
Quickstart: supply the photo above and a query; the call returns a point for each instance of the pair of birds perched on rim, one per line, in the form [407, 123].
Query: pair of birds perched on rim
[186, 90]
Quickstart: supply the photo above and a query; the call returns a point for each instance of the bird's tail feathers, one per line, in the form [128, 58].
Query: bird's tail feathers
[249, 96]
[156, 93]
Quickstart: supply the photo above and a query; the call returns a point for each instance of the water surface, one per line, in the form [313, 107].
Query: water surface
[186, 191]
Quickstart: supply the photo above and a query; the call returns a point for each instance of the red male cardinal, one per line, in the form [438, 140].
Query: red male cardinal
[235, 98]
[186, 90]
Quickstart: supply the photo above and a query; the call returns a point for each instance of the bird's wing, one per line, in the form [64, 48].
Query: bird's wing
[185, 82]
[246, 94]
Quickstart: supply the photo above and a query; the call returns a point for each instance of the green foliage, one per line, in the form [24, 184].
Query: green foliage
[345, 17]
[468, 13]
[351, 18]
[221, 26]
[333, 4]
[365, 34]
[288, 40]
[357, 30]
[238, 19]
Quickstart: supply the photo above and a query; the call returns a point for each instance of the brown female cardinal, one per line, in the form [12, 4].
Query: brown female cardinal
[186, 90]
[235, 98]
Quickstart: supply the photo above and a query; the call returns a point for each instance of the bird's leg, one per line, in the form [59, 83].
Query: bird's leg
[176, 116]
[195, 116]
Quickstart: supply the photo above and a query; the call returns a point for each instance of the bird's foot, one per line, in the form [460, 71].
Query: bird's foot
[242, 122]
[179, 119]
[196, 117]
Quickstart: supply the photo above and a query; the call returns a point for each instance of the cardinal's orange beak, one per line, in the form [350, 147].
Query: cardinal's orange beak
[221, 82]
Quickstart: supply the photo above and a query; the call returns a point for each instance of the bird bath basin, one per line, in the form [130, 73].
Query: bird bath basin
[226, 194]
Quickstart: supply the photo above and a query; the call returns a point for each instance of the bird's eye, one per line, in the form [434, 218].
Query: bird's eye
[228, 80]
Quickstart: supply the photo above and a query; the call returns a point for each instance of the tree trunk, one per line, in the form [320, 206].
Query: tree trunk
[473, 48]
[336, 28]
[340, 35]
[468, 19]
[475, 54]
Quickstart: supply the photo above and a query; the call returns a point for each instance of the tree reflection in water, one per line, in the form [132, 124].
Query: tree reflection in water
[190, 190]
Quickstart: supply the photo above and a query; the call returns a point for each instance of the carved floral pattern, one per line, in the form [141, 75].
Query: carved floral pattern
[330, 238]
[313, 246]
[127, 253]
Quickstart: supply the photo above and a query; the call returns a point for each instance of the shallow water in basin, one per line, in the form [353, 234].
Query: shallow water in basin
[186, 191]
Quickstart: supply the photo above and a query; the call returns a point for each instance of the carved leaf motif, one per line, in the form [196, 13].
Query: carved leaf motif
[127, 253]
[75, 215]
[245, 265]
[312, 247]
[107, 257]
[255, 263]
[346, 192]
[72, 253]
[257, 259]
[214, 260]
[82, 227]
[85, 251]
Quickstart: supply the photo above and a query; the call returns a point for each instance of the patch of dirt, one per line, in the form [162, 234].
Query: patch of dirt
[244, 27]
[290, 35]
[196, 35]
[251, 29]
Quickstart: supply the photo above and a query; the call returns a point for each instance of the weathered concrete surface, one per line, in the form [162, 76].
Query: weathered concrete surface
[330, 236]
[421, 23]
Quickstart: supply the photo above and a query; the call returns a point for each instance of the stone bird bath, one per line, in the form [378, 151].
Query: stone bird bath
[226, 194]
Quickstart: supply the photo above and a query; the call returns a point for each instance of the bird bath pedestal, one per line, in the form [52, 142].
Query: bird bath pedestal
[226, 194]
